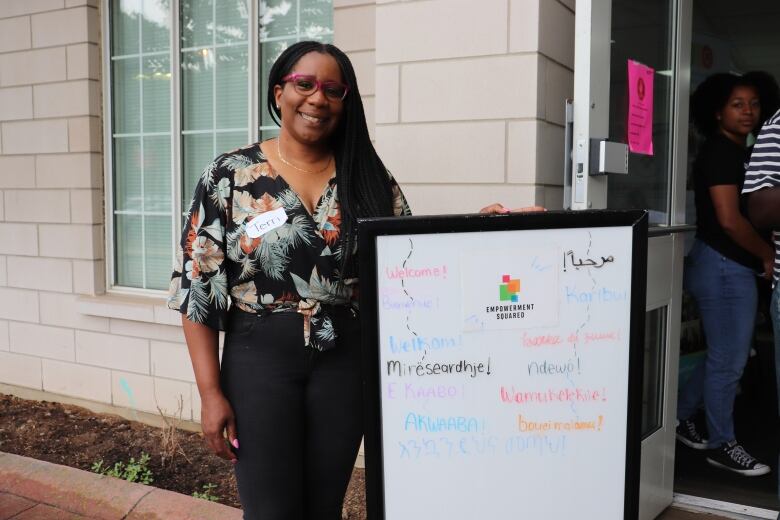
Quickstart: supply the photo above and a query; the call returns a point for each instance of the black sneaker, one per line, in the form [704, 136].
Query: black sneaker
[690, 436]
[733, 457]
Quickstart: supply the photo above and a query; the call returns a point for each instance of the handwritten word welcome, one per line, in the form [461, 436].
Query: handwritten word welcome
[408, 272]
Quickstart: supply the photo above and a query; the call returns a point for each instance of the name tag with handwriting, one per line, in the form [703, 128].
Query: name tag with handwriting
[265, 222]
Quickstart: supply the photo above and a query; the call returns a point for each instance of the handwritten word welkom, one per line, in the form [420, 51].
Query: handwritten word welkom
[398, 272]
[423, 343]
[551, 395]
[525, 425]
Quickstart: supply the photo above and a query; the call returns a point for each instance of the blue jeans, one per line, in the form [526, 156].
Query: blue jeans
[726, 294]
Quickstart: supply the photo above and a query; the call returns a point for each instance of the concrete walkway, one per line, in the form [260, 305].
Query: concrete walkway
[31, 489]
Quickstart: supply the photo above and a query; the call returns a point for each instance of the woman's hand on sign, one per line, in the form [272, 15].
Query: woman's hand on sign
[217, 419]
[499, 209]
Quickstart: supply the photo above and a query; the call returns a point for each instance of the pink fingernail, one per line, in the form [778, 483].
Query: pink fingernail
[234, 461]
[235, 443]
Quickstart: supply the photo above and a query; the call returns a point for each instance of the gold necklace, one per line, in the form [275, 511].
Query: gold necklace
[291, 165]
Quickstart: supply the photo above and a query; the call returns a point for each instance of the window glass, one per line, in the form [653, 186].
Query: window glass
[215, 103]
[214, 83]
[141, 117]
[283, 22]
[643, 32]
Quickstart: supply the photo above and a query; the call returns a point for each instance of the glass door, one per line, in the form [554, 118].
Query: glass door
[611, 37]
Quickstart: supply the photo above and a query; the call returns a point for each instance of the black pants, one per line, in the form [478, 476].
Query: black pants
[299, 414]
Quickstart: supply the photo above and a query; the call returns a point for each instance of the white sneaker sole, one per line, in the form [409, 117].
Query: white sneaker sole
[690, 443]
[759, 470]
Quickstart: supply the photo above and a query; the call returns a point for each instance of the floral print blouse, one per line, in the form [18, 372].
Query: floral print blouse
[234, 248]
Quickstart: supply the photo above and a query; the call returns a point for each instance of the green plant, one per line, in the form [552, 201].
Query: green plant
[133, 471]
[206, 493]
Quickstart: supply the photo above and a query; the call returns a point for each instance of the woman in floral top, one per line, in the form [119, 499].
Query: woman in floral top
[272, 231]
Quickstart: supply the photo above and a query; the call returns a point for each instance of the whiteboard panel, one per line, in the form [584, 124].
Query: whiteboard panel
[503, 373]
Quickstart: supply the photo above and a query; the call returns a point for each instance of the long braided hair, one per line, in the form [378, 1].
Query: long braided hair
[363, 184]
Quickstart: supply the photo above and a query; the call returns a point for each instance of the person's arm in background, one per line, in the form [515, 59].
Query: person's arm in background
[499, 209]
[725, 200]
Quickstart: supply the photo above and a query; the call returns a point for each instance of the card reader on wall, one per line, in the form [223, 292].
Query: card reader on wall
[608, 157]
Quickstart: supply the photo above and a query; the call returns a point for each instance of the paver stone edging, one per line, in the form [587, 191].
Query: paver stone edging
[99, 496]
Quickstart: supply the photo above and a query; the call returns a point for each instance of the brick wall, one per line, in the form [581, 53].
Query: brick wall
[51, 233]
[469, 100]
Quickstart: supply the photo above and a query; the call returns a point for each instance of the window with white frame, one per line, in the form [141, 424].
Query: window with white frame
[186, 83]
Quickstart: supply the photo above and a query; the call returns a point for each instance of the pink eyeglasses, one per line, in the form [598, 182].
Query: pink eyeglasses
[306, 85]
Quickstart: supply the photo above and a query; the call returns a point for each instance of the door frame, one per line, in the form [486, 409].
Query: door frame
[666, 247]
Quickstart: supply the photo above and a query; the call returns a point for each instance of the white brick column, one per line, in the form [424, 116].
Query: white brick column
[469, 100]
[51, 194]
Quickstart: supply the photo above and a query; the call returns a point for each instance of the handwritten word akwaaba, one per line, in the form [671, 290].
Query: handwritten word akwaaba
[472, 369]
[427, 423]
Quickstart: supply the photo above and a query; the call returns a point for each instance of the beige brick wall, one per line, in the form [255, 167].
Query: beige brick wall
[469, 100]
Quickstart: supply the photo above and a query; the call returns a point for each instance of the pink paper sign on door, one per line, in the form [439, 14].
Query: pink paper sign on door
[640, 108]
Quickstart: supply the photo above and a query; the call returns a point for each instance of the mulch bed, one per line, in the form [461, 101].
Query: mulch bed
[76, 437]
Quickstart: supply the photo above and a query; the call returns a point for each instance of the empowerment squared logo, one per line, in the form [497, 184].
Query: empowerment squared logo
[509, 290]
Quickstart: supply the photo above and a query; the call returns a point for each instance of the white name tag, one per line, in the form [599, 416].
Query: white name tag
[265, 222]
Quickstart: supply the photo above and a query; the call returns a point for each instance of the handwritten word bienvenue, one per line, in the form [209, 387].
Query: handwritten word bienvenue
[472, 369]
[430, 424]
[563, 395]
[525, 425]
[602, 295]
[422, 343]
[412, 391]
[407, 304]
[408, 272]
